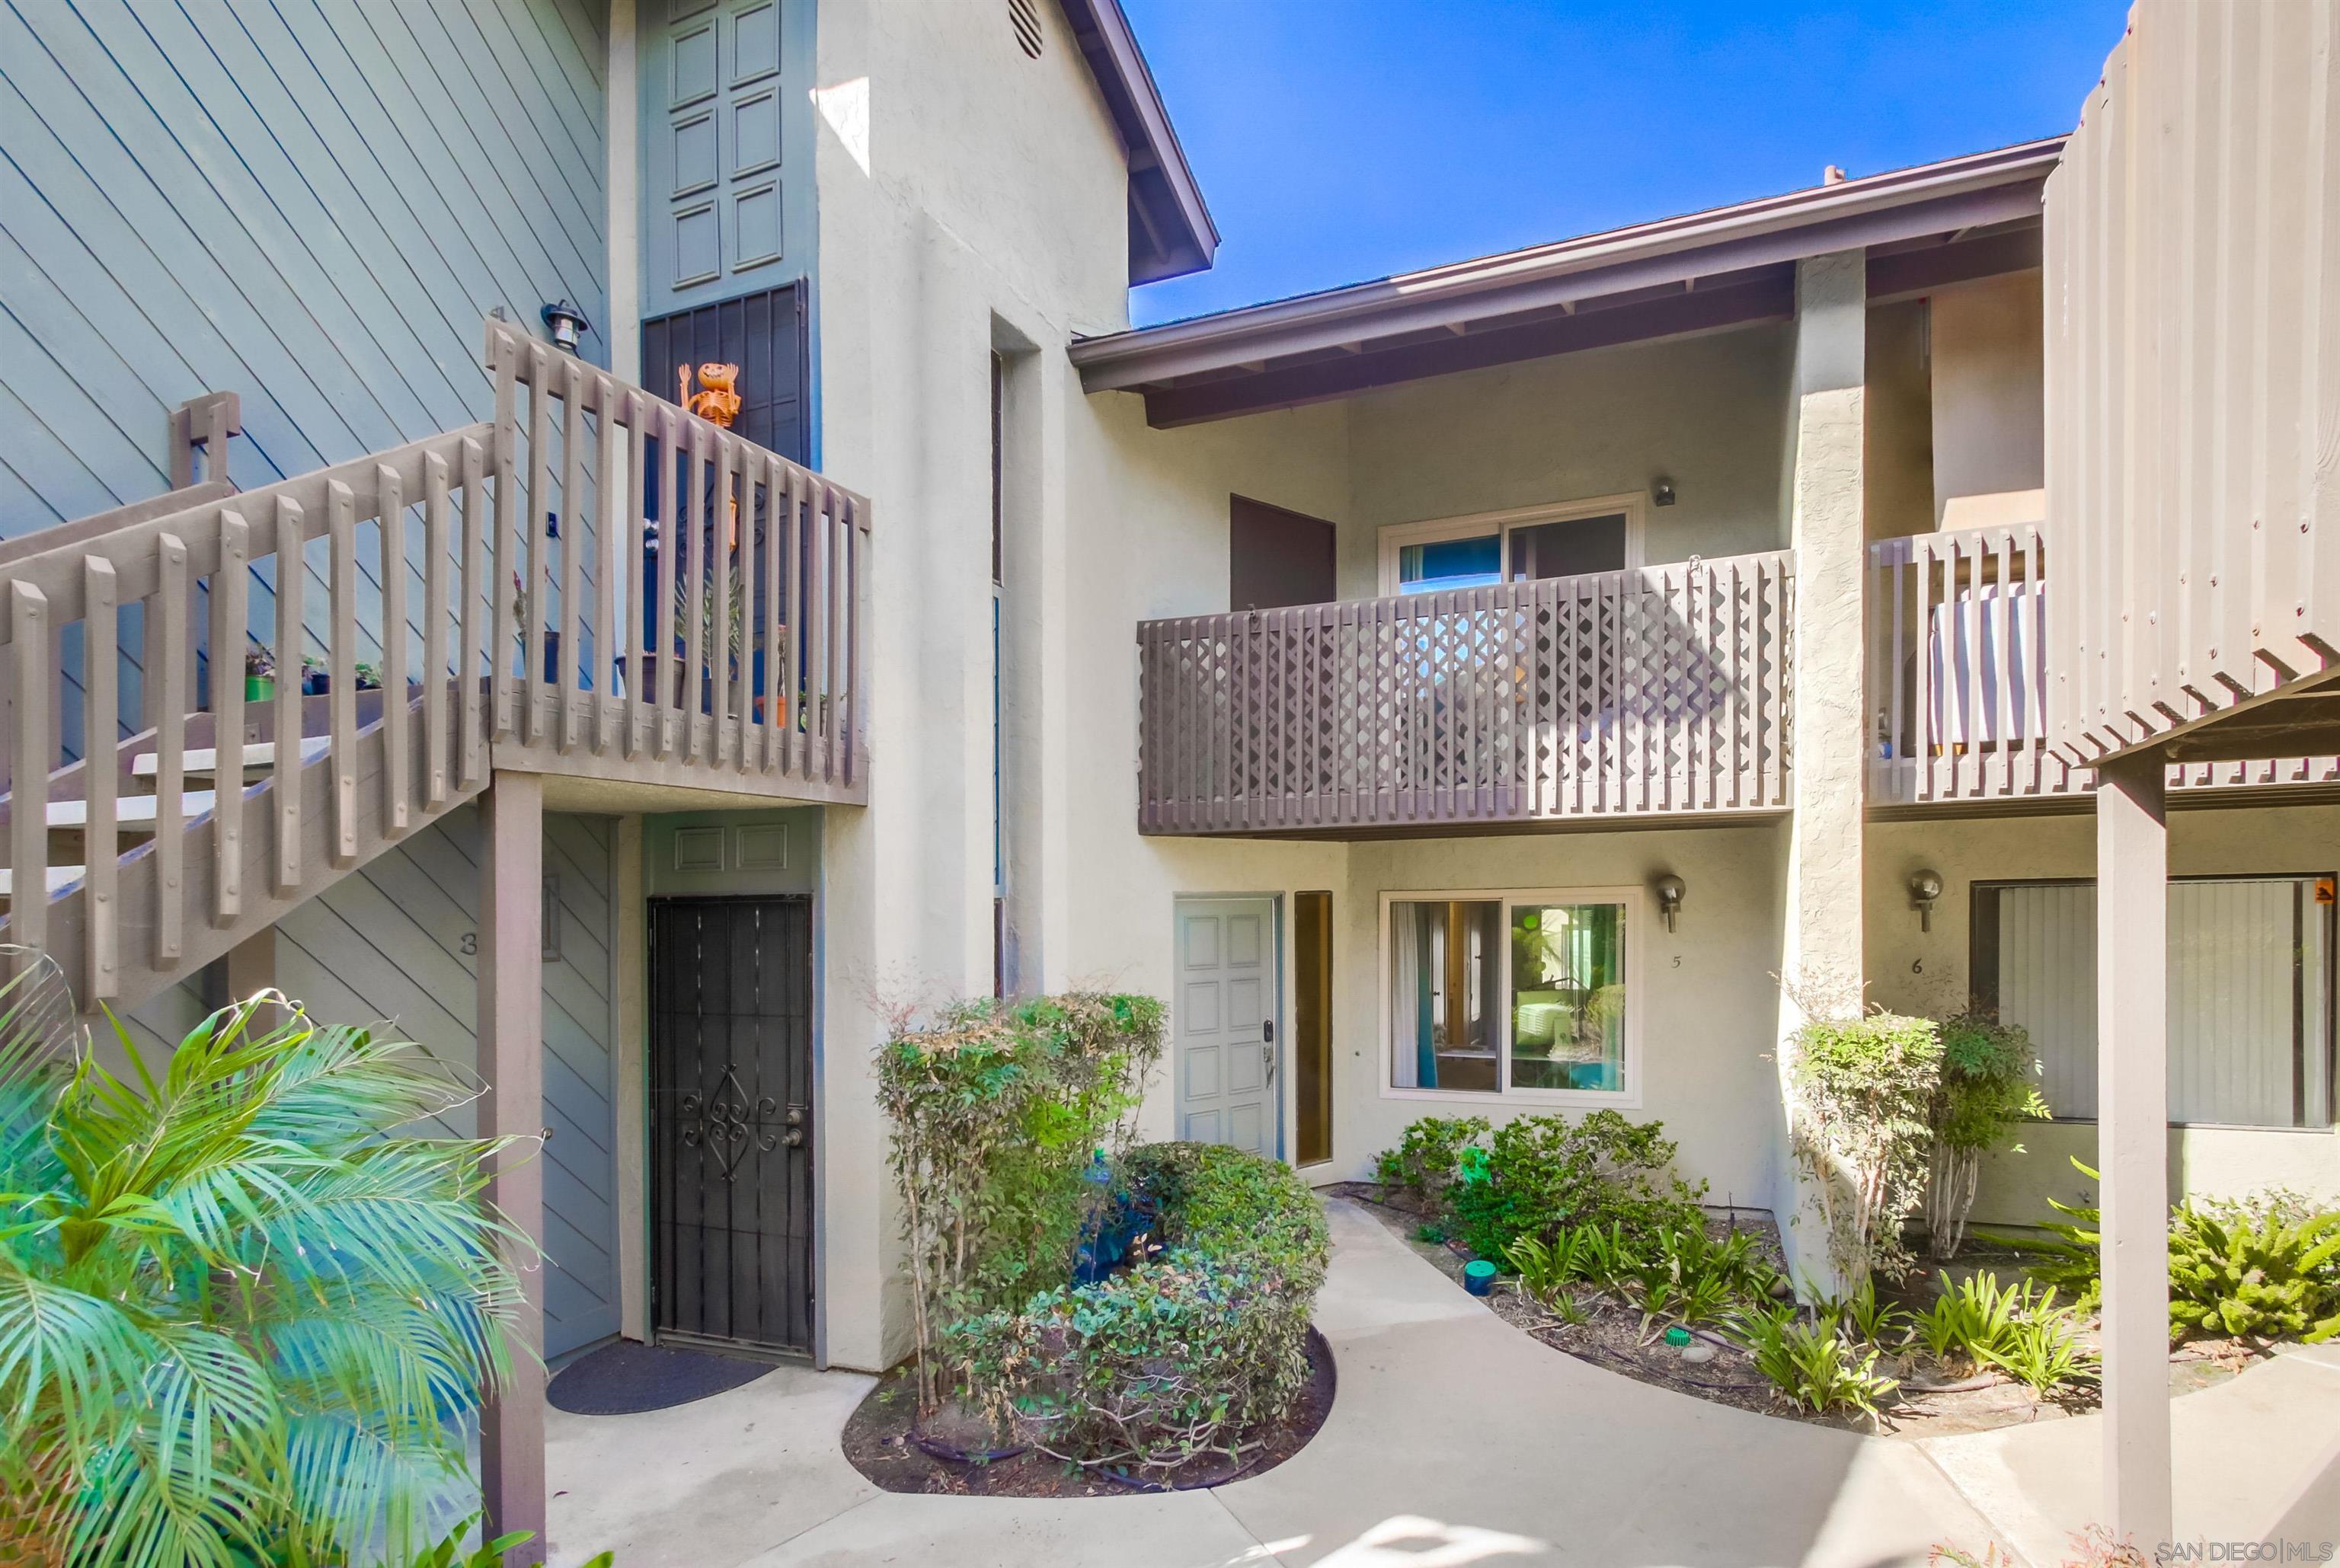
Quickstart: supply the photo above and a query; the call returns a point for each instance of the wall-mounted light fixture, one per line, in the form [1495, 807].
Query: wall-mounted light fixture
[1669, 890]
[1925, 887]
[1661, 490]
[566, 324]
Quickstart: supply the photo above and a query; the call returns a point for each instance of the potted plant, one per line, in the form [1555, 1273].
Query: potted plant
[316, 680]
[259, 673]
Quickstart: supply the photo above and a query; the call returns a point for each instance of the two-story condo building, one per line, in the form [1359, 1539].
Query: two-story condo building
[1471, 691]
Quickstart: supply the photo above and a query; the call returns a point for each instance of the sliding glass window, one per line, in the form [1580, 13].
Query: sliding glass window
[1518, 993]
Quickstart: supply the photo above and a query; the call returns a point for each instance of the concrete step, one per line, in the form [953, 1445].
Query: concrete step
[204, 763]
[134, 811]
[60, 878]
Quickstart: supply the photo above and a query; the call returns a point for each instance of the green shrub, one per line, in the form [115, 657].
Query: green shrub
[241, 1311]
[1989, 1081]
[2268, 1269]
[2041, 1347]
[1812, 1364]
[1966, 1320]
[1429, 1155]
[994, 1111]
[450, 1552]
[1863, 1089]
[1544, 1172]
[1180, 1354]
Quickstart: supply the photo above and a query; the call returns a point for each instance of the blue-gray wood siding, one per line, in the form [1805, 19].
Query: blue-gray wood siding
[386, 947]
[308, 203]
[311, 203]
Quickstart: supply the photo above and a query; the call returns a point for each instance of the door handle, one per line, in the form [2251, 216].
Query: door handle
[1268, 1055]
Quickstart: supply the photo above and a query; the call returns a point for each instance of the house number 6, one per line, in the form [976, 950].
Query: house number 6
[1916, 966]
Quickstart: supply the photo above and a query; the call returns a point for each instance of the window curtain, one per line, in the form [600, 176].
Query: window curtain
[1413, 1060]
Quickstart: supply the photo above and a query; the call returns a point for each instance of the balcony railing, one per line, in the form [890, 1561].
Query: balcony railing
[1959, 685]
[594, 584]
[1657, 691]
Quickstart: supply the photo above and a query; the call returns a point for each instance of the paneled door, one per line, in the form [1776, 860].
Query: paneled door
[1223, 1021]
[732, 1122]
[727, 181]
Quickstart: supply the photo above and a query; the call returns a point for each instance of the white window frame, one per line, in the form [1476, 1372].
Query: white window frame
[1639, 916]
[1395, 536]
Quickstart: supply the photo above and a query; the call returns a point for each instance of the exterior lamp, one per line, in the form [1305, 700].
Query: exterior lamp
[1669, 890]
[1661, 490]
[1925, 887]
[566, 324]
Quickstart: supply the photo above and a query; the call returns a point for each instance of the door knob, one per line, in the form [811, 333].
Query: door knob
[793, 1138]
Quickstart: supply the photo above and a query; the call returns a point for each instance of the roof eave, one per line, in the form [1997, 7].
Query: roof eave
[1171, 231]
[1969, 191]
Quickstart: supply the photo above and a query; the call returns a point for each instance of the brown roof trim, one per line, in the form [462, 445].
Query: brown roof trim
[1170, 230]
[1974, 191]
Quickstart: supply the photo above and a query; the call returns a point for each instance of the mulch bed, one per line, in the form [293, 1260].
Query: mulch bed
[1612, 1338]
[883, 1442]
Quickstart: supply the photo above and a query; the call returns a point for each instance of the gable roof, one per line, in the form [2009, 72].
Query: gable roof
[1922, 227]
[1170, 230]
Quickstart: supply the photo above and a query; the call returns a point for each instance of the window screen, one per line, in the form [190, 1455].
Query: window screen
[2250, 994]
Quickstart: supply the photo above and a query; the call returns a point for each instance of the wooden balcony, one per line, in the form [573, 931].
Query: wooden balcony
[1960, 628]
[594, 585]
[1658, 692]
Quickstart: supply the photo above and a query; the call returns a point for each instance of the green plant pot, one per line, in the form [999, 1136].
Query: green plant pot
[259, 688]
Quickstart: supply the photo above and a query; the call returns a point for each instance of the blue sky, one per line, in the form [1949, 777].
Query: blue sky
[1338, 140]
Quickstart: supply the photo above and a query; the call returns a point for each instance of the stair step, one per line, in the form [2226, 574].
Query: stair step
[61, 877]
[205, 760]
[129, 810]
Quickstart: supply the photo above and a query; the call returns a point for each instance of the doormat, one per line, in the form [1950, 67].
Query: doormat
[625, 1379]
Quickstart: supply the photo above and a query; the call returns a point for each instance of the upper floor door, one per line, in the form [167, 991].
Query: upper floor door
[727, 178]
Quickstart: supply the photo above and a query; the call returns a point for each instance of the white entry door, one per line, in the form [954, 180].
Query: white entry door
[1225, 1022]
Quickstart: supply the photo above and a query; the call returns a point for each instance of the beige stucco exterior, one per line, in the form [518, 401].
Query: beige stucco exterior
[1763, 431]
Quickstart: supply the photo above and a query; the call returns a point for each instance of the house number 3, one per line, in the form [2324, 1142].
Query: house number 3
[471, 943]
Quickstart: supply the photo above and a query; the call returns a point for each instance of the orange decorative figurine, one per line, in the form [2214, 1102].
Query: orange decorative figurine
[717, 401]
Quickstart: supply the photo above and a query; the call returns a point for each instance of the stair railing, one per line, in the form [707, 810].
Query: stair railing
[593, 582]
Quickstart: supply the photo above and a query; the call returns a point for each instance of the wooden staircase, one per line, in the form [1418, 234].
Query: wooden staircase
[417, 569]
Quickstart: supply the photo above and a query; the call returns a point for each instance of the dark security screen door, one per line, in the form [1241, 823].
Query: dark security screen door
[764, 334]
[1276, 558]
[731, 1130]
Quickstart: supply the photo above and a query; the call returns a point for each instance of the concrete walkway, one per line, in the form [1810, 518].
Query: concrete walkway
[1455, 1439]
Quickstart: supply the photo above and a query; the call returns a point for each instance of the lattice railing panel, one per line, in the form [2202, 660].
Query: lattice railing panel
[1651, 691]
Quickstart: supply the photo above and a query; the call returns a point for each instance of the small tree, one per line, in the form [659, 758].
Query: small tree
[993, 1109]
[1858, 1128]
[1988, 1082]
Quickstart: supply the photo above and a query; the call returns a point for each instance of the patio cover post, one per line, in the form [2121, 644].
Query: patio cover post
[512, 1060]
[1820, 958]
[2132, 1141]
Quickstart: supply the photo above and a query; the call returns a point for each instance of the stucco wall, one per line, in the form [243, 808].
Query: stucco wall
[2208, 1162]
[1707, 1000]
[971, 199]
[1707, 412]
[1990, 405]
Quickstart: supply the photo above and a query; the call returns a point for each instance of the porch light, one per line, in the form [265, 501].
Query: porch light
[1925, 887]
[1661, 491]
[1670, 889]
[566, 324]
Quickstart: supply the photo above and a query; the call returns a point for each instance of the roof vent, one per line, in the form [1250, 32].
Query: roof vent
[1024, 16]
[1833, 175]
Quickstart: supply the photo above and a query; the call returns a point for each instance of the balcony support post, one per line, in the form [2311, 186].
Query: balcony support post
[2132, 1140]
[1821, 956]
[512, 1060]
